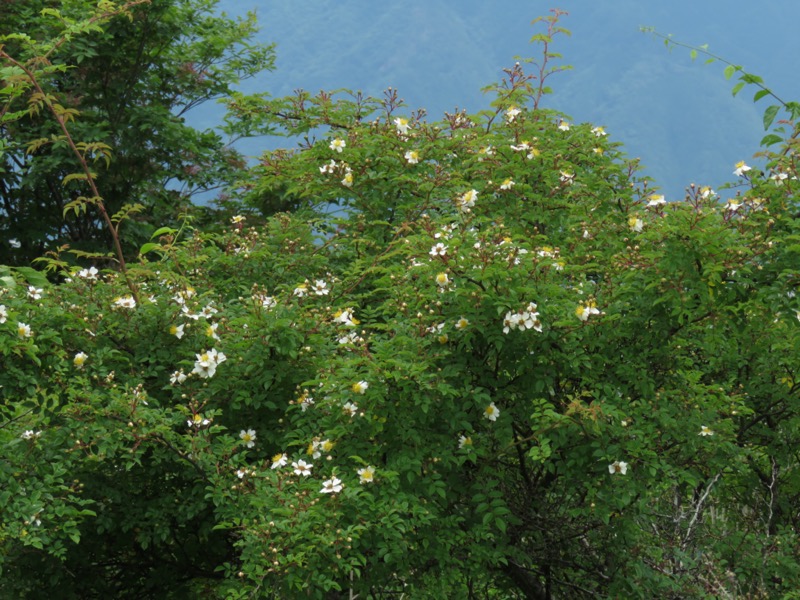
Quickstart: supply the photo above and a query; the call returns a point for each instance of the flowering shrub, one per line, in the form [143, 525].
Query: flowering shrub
[425, 380]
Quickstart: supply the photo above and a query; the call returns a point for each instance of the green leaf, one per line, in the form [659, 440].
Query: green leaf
[769, 115]
[729, 71]
[737, 88]
[163, 231]
[149, 247]
[760, 94]
[771, 139]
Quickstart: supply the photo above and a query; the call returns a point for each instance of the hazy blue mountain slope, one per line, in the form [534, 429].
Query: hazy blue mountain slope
[678, 116]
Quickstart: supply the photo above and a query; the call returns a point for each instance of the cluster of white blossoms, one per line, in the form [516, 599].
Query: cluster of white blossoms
[523, 319]
[466, 201]
[341, 168]
[206, 364]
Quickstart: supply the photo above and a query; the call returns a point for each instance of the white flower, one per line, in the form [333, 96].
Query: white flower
[491, 412]
[125, 302]
[567, 178]
[237, 219]
[303, 468]
[741, 168]
[177, 377]
[656, 200]
[34, 293]
[584, 311]
[442, 280]
[366, 475]
[30, 434]
[305, 401]
[301, 290]
[208, 312]
[350, 338]
[90, 274]
[332, 486]
[24, 330]
[507, 184]
[211, 331]
[80, 359]
[3, 313]
[706, 191]
[240, 473]
[732, 206]
[265, 301]
[563, 125]
[462, 323]
[635, 224]
[206, 364]
[347, 181]
[438, 250]
[705, 431]
[464, 440]
[359, 387]
[320, 288]
[14, 243]
[345, 317]
[402, 125]
[197, 421]
[412, 156]
[278, 461]
[779, 178]
[511, 113]
[329, 168]
[486, 151]
[467, 200]
[338, 144]
[618, 466]
[523, 320]
[248, 437]
[177, 330]
[351, 409]
[599, 131]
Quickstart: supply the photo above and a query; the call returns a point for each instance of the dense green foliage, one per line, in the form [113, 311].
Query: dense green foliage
[124, 78]
[480, 358]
